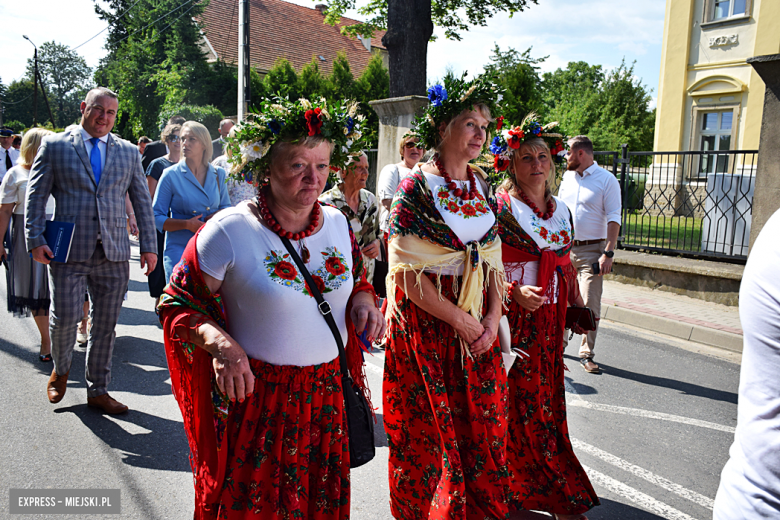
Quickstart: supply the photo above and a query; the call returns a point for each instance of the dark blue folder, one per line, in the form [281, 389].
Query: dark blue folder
[59, 236]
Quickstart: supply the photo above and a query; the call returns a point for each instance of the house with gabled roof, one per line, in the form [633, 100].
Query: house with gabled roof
[279, 29]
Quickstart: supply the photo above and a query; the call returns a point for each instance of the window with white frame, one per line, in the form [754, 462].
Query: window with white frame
[723, 9]
[715, 134]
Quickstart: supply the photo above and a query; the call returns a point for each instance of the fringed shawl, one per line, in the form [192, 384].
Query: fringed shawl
[419, 240]
[205, 410]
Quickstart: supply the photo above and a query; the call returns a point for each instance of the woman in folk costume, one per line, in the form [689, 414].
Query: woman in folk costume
[445, 404]
[254, 365]
[546, 474]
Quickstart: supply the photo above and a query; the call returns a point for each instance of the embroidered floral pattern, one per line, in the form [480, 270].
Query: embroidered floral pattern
[545, 229]
[329, 276]
[466, 209]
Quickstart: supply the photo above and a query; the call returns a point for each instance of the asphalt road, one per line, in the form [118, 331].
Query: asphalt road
[653, 430]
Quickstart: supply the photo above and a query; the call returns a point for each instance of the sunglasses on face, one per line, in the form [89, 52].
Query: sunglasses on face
[173, 139]
[411, 145]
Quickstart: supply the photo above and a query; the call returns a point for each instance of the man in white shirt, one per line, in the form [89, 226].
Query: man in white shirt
[8, 154]
[593, 197]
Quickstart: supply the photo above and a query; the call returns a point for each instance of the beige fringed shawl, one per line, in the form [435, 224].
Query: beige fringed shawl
[419, 240]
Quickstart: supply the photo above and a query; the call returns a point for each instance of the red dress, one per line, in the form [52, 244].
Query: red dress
[445, 416]
[546, 474]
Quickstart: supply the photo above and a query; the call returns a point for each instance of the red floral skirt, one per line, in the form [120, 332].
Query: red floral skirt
[546, 474]
[288, 455]
[445, 419]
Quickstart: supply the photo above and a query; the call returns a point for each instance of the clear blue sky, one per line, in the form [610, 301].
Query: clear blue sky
[596, 31]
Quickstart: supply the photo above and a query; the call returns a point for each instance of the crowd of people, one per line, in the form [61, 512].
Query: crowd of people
[429, 269]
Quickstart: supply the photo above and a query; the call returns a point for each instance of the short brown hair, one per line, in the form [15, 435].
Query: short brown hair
[168, 131]
[144, 140]
[581, 142]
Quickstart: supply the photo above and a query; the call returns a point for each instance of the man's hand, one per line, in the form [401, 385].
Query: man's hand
[42, 254]
[149, 261]
[371, 250]
[605, 265]
[132, 225]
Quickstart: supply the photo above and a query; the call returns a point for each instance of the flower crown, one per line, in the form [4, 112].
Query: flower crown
[292, 121]
[449, 99]
[510, 139]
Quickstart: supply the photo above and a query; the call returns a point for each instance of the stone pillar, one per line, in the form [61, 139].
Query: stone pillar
[395, 119]
[766, 198]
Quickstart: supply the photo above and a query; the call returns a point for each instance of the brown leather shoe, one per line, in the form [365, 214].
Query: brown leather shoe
[57, 386]
[589, 365]
[106, 403]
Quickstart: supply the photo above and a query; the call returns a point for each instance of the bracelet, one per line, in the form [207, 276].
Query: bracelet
[130, 215]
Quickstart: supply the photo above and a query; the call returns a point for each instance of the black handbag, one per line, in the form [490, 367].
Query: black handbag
[582, 316]
[360, 419]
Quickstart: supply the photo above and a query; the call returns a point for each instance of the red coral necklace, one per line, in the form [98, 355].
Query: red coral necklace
[534, 208]
[262, 206]
[452, 186]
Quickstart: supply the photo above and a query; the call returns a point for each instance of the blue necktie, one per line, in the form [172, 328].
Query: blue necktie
[94, 159]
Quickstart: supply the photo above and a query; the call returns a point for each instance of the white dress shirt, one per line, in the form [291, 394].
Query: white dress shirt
[11, 151]
[593, 199]
[103, 143]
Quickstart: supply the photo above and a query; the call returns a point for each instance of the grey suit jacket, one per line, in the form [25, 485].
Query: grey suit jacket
[62, 169]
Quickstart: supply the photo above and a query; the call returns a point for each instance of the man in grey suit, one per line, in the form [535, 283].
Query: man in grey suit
[89, 171]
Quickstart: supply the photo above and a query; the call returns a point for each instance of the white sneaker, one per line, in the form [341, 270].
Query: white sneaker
[81, 337]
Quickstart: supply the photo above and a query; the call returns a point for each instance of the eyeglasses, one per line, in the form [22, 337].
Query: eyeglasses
[173, 139]
[412, 144]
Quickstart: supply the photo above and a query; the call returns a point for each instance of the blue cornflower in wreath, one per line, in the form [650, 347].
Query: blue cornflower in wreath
[437, 94]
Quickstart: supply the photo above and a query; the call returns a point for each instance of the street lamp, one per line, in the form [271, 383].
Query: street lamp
[37, 80]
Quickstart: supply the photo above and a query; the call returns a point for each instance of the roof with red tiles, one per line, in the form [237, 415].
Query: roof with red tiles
[279, 29]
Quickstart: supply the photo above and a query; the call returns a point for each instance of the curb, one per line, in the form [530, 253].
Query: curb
[686, 331]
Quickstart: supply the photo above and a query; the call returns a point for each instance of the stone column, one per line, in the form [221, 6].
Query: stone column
[395, 119]
[766, 198]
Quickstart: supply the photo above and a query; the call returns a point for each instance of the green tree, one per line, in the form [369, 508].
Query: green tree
[409, 27]
[282, 80]
[341, 82]
[311, 84]
[571, 96]
[18, 103]
[373, 84]
[518, 73]
[65, 76]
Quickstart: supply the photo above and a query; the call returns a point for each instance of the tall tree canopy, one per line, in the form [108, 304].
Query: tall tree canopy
[409, 26]
[518, 73]
[65, 77]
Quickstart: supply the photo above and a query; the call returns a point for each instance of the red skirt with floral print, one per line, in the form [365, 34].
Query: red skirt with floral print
[445, 419]
[288, 455]
[546, 474]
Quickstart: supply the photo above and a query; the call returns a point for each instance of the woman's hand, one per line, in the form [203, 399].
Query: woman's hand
[371, 250]
[231, 365]
[529, 297]
[468, 328]
[194, 224]
[579, 302]
[365, 316]
[486, 340]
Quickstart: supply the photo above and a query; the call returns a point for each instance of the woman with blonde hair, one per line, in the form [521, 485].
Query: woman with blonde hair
[536, 235]
[444, 382]
[188, 194]
[28, 281]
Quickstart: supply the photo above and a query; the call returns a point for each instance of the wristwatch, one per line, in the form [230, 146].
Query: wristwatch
[609, 254]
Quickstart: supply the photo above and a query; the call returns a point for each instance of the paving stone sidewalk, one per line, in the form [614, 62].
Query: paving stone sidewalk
[677, 315]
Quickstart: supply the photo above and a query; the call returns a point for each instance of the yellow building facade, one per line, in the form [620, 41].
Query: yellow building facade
[709, 98]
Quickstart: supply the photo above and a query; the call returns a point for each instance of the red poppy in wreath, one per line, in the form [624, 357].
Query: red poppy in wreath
[285, 270]
[313, 121]
[318, 281]
[499, 122]
[515, 138]
[335, 266]
[558, 147]
[500, 164]
[468, 210]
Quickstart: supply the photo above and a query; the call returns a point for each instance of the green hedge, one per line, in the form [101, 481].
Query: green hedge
[208, 115]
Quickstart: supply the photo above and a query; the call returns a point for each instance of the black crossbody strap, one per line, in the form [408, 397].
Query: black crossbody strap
[322, 304]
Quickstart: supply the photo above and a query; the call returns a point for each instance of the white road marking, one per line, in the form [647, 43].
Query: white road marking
[644, 501]
[577, 400]
[643, 473]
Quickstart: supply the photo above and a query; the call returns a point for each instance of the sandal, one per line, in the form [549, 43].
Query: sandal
[44, 358]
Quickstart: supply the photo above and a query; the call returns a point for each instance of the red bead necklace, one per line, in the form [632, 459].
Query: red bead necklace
[543, 216]
[262, 205]
[452, 186]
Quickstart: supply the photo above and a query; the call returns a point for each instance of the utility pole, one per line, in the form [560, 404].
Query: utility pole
[37, 80]
[244, 82]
